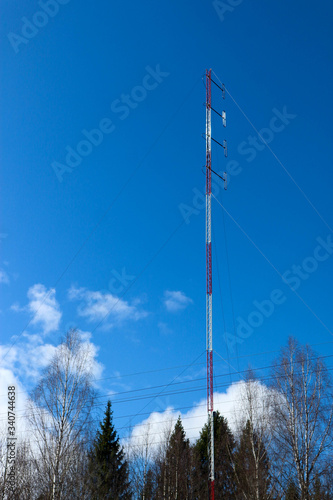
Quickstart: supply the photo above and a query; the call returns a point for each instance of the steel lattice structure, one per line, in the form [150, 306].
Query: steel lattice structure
[209, 305]
[209, 288]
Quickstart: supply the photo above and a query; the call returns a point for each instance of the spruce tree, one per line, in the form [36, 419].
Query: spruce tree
[178, 457]
[107, 465]
[252, 466]
[174, 471]
[148, 491]
[223, 449]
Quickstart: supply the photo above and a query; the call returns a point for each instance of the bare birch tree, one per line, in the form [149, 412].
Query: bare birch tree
[162, 471]
[24, 485]
[25, 480]
[303, 415]
[59, 411]
[141, 457]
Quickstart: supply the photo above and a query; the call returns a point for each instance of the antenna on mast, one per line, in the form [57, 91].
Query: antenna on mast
[209, 290]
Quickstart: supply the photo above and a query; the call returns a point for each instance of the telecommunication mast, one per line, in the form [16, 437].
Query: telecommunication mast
[209, 290]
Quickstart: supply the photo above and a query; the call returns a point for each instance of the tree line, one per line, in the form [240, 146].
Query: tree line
[280, 446]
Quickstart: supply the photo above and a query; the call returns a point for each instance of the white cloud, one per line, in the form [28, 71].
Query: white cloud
[4, 277]
[153, 431]
[27, 359]
[96, 306]
[159, 424]
[44, 308]
[175, 301]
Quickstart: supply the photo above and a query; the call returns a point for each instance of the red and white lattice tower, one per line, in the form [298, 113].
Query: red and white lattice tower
[209, 329]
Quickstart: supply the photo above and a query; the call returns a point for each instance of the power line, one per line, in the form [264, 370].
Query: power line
[134, 374]
[197, 379]
[178, 392]
[234, 411]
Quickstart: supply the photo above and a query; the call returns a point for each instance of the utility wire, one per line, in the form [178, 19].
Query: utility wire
[264, 353]
[189, 365]
[184, 391]
[172, 383]
[172, 412]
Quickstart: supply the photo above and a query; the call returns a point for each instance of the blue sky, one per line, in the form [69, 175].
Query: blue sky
[96, 227]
